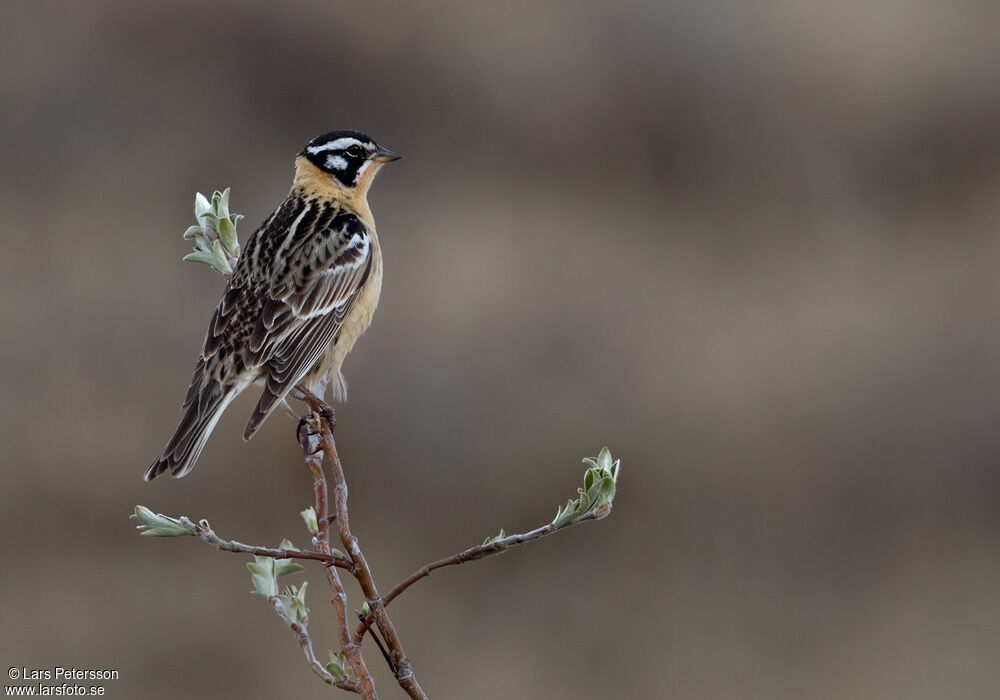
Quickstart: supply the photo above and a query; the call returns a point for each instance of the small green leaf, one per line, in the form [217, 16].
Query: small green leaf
[599, 483]
[211, 222]
[292, 604]
[260, 569]
[337, 666]
[565, 514]
[201, 206]
[604, 460]
[227, 234]
[491, 540]
[309, 516]
[215, 238]
[200, 256]
[221, 259]
[158, 525]
[262, 576]
[284, 567]
[264, 585]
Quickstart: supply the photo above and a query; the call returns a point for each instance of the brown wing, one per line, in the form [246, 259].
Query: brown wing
[293, 286]
[304, 312]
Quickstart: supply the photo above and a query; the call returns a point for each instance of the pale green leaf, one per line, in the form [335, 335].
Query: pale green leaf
[309, 517]
[194, 232]
[200, 256]
[337, 666]
[201, 205]
[221, 259]
[227, 234]
[292, 604]
[158, 525]
[284, 567]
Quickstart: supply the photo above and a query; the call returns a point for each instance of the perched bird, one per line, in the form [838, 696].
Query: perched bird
[302, 292]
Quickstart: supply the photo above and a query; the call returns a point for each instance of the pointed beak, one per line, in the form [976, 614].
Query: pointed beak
[384, 155]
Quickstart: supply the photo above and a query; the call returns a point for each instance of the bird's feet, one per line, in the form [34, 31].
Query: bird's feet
[307, 432]
[317, 405]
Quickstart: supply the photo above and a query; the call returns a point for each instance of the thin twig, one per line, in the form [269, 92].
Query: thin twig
[381, 648]
[402, 669]
[352, 650]
[482, 551]
[301, 631]
[207, 535]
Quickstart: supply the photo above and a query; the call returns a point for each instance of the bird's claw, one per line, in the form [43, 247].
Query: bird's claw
[308, 435]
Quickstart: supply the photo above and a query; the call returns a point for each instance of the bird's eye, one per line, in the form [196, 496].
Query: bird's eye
[355, 152]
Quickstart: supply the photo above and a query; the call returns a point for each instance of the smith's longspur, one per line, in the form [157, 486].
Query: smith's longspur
[302, 292]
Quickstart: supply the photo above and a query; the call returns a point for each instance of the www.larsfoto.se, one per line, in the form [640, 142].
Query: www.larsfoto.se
[41, 690]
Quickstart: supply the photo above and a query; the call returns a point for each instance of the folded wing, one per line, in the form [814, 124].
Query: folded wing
[304, 305]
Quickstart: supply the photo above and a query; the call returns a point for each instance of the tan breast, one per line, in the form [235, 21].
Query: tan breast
[355, 324]
[312, 179]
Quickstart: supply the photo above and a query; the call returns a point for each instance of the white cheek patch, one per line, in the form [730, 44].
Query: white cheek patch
[336, 163]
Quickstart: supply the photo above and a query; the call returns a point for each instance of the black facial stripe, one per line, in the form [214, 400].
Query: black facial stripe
[329, 153]
[342, 166]
[349, 175]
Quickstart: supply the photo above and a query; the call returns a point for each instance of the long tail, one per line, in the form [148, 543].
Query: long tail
[205, 402]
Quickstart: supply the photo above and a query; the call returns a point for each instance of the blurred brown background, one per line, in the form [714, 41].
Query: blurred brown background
[752, 247]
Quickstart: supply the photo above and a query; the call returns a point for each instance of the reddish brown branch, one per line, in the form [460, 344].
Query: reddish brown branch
[401, 665]
[352, 650]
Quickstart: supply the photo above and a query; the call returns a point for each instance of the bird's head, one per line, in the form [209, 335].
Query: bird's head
[351, 157]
